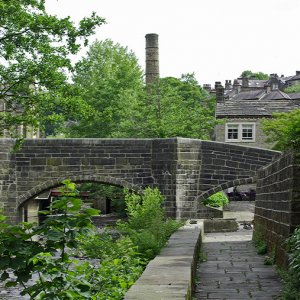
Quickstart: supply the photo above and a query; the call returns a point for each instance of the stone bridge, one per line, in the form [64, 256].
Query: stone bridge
[185, 170]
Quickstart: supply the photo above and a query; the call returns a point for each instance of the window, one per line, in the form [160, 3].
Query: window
[232, 132]
[238, 132]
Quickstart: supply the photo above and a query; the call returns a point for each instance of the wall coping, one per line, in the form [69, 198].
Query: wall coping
[171, 274]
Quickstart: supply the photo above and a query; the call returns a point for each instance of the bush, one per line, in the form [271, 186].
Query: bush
[216, 200]
[147, 226]
[291, 278]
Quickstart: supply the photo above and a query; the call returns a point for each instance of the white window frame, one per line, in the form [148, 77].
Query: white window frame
[240, 131]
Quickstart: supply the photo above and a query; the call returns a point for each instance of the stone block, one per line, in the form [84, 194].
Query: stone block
[220, 225]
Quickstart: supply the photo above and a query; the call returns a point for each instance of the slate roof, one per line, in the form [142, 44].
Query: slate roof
[254, 95]
[295, 95]
[276, 95]
[295, 77]
[253, 108]
[254, 83]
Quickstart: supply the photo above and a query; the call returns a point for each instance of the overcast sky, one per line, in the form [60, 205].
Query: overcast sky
[215, 39]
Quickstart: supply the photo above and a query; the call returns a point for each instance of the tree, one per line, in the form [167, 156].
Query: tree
[255, 75]
[284, 129]
[109, 78]
[171, 107]
[295, 88]
[35, 63]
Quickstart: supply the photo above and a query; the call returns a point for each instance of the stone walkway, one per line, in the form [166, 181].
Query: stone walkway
[233, 270]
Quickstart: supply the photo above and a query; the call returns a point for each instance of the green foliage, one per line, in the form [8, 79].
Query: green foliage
[216, 200]
[171, 107]
[255, 75]
[120, 265]
[34, 49]
[259, 242]
[146, 226]
[291, 276]
[111, 81]
[114, 193]
[48, 250]
[27, 249]
[295, 88]
[108, 78]
[284, 130]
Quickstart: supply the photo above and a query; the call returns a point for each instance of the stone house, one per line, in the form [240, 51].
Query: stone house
[243, 105]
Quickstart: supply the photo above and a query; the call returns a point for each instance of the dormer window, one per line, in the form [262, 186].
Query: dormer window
[274, 86]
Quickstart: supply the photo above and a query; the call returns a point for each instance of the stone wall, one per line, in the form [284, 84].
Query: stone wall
[185, 170]
[277, 205]
[260, 137]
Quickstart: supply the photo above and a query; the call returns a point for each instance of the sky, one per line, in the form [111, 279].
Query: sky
[215, 39]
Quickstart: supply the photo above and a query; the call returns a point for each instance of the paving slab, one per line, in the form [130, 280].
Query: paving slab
[233, 270]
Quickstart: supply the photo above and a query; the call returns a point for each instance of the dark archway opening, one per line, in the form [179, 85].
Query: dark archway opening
[108, 198]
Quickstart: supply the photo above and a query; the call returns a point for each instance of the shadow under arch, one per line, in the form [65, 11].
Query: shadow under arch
[81, 178]
[224, 186]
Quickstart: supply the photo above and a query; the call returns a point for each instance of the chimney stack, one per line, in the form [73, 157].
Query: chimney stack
[228, 85]
[152, 57]
[207, 87]
[219, 91]
[237, 86]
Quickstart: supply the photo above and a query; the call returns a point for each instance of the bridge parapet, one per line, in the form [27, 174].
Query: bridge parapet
[183, 169]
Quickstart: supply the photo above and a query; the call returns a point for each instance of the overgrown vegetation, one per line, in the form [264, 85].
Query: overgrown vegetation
[113, 259]
[259, 242]
[146, 225]
[291, 277]
[216, 200]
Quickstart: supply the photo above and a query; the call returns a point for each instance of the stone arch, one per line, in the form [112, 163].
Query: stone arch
[224, 186]
[81, 178]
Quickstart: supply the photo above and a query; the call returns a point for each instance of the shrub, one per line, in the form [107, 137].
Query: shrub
[147, 226]
[216, 200]
[291, 277]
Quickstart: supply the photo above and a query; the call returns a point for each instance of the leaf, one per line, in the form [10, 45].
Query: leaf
[4, 276]
[11, 284]
[92, 211]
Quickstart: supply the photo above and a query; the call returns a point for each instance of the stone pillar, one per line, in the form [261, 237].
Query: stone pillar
[152, 57]
[8, 181]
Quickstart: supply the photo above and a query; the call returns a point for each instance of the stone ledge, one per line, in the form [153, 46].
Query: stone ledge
[170, 275]
[220, 225]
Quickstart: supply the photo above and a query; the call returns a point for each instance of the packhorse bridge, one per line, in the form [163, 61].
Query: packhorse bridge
[185, 170]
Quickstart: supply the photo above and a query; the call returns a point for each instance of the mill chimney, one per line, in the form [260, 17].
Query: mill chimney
[152, 57]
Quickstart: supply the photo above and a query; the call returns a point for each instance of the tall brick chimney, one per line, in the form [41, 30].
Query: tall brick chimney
[152, 57]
